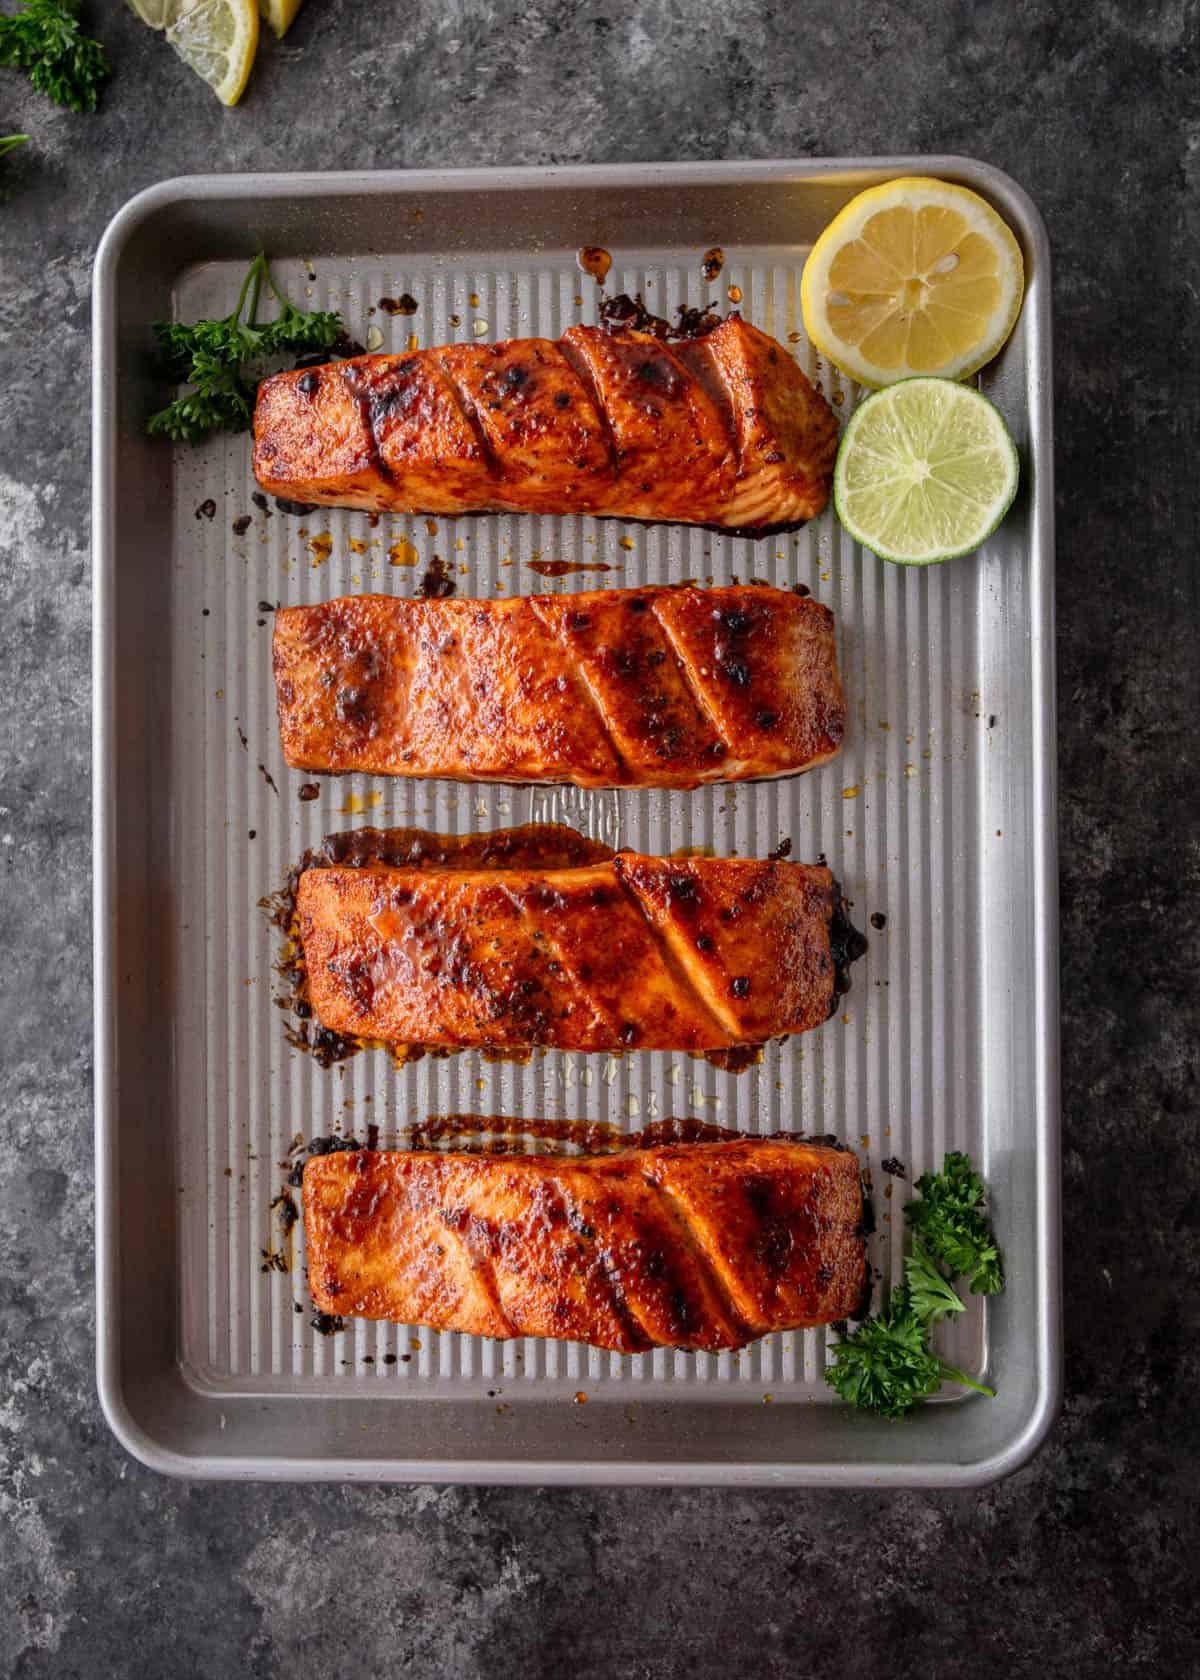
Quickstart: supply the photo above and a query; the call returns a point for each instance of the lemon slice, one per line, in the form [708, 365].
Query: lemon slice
[916, 276]
[157, 13]
[926, 471]
[280, 14]
[218, 40]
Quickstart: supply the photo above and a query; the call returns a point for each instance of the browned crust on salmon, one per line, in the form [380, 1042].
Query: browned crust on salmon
[698, 1245]
[634, 953]
[669, 687]
[725, 430]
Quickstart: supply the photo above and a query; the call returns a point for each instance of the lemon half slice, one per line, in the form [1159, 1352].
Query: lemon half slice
[280, 14]
[926, 471]
[916, 276]
[218, 40]
[157, 13]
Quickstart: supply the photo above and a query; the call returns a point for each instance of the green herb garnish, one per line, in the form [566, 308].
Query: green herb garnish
[10, 142]
[44, 39]
[211, 356]
[930, 1294]
[954, 1230]
[886, 1364]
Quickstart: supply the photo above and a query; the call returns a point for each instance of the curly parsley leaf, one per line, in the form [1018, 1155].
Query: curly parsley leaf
[947, 1216]
[44, 39]
[212, 356]
[930, 1295]
[221, 402]
[886, 1364]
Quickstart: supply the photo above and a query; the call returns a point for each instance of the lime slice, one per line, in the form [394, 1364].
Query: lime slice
[218, 40]
[280, 14]
[926, 471]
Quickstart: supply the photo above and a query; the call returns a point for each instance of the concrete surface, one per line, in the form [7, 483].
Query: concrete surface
[1084, 1563]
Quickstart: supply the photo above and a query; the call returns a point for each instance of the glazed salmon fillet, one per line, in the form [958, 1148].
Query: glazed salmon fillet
[624, 953]
[722, 430]
[694, 1245]
[668, 687]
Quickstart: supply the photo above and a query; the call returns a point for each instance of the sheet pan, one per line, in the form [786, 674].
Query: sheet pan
[938, 816]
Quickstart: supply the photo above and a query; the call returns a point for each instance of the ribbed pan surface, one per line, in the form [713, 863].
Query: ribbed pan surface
[900, 816]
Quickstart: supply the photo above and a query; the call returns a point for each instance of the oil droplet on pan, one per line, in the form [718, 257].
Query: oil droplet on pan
[596, 261]
[357, 803]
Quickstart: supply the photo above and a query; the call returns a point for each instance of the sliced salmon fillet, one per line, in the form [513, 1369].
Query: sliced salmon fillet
[697, 1245]
[668, 687]
[724, 430]
[631, 953]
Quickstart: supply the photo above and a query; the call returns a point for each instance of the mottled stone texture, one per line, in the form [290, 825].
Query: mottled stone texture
[1084, 1563]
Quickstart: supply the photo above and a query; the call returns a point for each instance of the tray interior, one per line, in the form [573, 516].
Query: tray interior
[925, 817]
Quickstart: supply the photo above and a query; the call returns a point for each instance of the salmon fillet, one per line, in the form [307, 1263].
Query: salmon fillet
[722, 430]
[665, 687]
[627, 953]
[695, 1245]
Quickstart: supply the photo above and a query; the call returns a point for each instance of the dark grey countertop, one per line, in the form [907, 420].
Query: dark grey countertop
[1082, 1564]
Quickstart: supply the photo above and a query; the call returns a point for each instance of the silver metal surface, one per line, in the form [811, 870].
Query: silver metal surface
[939, 814]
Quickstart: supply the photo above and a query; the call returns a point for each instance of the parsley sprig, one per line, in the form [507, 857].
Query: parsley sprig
[44, 39]
[886, 1364]
[212, 357]
[10, 142]
[955, 1231]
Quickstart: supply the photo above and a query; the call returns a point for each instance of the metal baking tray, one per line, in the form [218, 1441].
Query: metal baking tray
[939, 814]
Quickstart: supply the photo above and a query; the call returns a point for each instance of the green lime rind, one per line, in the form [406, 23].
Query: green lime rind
[926, 471]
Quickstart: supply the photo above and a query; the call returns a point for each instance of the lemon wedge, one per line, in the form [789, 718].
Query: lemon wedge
[279, 14]
[916, 276]
[218, 40]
